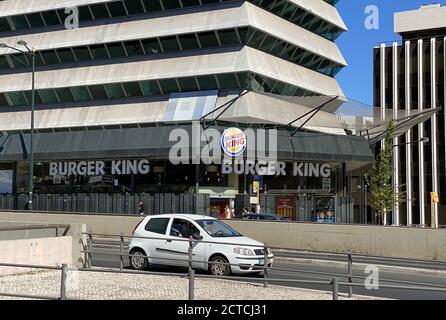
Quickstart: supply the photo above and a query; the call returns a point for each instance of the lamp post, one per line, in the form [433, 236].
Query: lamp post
[32, 53]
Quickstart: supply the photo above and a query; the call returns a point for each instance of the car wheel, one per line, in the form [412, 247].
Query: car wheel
[138, 261]
[218, 267]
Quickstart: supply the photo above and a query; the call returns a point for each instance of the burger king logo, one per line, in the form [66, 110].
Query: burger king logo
[233, 142]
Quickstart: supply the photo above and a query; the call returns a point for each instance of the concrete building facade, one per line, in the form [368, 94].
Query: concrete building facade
[115, 85]
[411, 76]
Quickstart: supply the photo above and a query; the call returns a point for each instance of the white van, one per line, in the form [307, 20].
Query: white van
[226, 245]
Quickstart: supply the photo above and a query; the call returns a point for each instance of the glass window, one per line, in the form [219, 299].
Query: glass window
[218, 229]
[4, 25]
[116, 50]
[35, 20]
[134, 6]
[182, 228]
[66, 55]
[20, 22]
[188, 42]
[81, 94]
[150, 88]
[82, 54]
[228, 37]
[48, 96]
[3, 101]
[6, 179]
[208, 40]
[51, 18]
[188, 84]
[169, 85]
[151, 46]
[99, 11]
[132, 89]
[116, 9]
[207, 82]
[171, 4]
[133, 48]
[18, 98]
[152, 6]
[170, 44]
[99, 52]
[65, 95]
[228, 81]
[157, 225]
[37, 98]
[20, 60]
[85, 14]
[98, 92]
[3, 63]
[50, 57]
[115, 90]
[190, 3]
[244, 34]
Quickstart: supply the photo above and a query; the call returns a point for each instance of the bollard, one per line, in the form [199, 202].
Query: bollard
[265, 267]
[335, 284]
[90, 247]
[190, 253]
[191, 284]
[191, 271]
[63, 283]
[121, 266]
[350, 273]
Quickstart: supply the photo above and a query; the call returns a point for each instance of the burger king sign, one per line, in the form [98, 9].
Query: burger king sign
[233, 142]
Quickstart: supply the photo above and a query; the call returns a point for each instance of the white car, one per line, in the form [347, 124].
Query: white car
[226, 245]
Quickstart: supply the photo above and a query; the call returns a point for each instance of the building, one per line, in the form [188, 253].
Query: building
[113, 89]
[411, 76]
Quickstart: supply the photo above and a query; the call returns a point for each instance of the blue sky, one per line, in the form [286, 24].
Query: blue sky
[357, 44]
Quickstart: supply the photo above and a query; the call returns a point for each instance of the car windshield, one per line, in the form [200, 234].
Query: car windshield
[218, 229]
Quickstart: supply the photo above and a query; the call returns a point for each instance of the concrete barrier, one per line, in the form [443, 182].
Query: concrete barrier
[75, 233]
[397, 242]
[410, 243]
[43, 251]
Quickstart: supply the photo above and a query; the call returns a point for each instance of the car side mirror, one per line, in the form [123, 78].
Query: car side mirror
[197, 236]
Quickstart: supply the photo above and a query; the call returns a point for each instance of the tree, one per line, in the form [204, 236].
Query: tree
[383, 195]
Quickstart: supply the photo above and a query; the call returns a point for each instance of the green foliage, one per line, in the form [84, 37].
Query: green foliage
[382, 189]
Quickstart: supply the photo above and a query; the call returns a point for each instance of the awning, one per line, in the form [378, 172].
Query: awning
[153, 143]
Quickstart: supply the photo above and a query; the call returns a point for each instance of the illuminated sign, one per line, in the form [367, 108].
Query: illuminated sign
[233, 142]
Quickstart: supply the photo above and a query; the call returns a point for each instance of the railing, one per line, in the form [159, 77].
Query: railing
[331, 280]
[29, 227]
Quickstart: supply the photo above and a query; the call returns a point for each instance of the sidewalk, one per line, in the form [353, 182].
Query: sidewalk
[107, 286]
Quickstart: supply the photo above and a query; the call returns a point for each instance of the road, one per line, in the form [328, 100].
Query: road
[306, 266]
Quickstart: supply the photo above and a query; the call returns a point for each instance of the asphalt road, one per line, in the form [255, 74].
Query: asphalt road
[307, 266]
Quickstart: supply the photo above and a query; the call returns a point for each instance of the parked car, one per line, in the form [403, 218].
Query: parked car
[229, 247]
[265, 216]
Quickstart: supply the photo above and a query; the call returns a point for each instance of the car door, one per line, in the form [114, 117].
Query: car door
[156, 228]
[177, 249]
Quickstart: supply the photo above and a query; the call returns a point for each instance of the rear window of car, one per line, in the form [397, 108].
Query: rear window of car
[157, 225]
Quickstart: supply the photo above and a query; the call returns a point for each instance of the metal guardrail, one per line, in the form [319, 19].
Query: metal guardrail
[28, 227]
[333, 282]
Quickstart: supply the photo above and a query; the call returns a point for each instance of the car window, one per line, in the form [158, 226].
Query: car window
[182, 228]
[157, 225]
[218, 229]
[262, 217]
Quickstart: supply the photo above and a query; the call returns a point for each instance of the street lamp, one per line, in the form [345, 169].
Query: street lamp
[32, 53]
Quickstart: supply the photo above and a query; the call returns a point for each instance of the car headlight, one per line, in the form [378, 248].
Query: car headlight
[244, 251]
